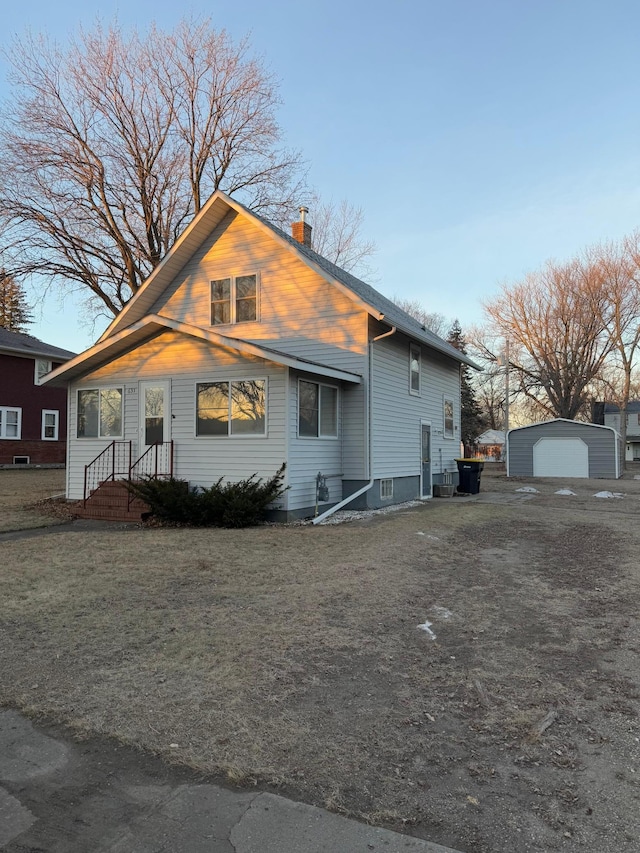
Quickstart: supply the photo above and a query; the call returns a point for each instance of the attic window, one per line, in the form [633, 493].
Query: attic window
[234, 299]
[42, 368]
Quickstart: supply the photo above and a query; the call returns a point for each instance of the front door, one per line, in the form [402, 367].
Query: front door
[425, 460]
[154, 417]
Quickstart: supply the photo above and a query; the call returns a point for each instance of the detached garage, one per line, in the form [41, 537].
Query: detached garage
[562, 448]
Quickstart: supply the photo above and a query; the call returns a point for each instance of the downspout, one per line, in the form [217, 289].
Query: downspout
[369, 485]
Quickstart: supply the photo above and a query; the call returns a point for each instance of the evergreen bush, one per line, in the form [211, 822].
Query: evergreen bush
[240, 504]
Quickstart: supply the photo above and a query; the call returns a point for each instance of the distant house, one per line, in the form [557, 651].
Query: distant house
[245, 348]
[608, 414]
[491, 445]
[33, 417]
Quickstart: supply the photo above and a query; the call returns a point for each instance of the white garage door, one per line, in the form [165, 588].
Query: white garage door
[560, 457]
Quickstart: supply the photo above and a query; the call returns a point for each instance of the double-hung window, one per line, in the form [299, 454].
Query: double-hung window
[10, 422]
[42, 368]
[414, 370]
[448, 418]
[50, 421]
[317, 410]
[234, 299]
[99, 413]
[231, 408]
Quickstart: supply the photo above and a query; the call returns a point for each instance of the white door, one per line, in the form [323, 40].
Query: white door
[155, 420]
[560, 457]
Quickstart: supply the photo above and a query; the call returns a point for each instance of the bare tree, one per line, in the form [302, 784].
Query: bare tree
[108, 149]
[555, 321]
[433, 321]
[337, 235]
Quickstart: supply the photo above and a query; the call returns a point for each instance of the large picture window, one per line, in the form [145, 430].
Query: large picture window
[448, 418]
[10, 422]
[317, 410]
[414, 369]
[231, 408]
[100, 413]
[234, 299]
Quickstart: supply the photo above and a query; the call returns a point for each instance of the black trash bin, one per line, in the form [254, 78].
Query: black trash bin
[469, 473]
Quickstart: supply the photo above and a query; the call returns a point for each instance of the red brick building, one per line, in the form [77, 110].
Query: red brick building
[33, 418]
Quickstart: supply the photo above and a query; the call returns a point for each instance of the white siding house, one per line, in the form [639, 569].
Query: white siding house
[245, 349]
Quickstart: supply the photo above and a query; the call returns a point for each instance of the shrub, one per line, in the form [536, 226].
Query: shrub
[238, 504]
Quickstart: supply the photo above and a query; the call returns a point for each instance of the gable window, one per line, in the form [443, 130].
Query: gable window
[42, 368]
[50, 421]
[100, 413]
[414, 370]
[448, 418]
[231, 408]
[317, 410]
[10, 422]
[234, 299]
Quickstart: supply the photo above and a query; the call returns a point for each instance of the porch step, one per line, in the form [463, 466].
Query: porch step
[110, 502]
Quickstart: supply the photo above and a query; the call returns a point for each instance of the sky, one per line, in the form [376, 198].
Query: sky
[479, 138]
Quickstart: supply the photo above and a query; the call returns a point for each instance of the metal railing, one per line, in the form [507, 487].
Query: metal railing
[155, 462]
[113, 461]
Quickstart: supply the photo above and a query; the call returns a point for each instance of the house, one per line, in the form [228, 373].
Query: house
[245, 348]
[490, 446]
[33, 417]
[608, 414]
[564, 448]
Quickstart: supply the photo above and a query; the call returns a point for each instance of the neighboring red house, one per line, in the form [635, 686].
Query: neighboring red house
[33, 418]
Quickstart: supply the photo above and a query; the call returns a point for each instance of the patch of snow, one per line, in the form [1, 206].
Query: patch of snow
[435, 538]
[419, 533]
[564, 492]
[528, 489]
[426, 626]
[442, 612]
[608, 495]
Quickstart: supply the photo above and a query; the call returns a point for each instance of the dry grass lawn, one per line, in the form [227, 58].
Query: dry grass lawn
[28, 486]
[291, 657]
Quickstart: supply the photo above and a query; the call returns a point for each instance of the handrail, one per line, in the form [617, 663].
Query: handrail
[111, 461]
[155, 462]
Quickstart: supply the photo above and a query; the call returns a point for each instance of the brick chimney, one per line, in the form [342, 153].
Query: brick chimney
[301, 231]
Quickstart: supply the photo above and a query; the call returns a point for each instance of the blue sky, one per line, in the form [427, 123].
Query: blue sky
[480, 138]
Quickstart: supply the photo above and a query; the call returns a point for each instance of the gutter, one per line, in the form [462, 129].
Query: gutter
[320, 518]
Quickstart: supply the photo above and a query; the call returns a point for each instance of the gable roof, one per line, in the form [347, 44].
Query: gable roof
[154, 324]
[210, 215]
[21, 344]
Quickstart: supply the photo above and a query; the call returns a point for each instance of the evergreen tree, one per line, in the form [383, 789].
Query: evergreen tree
[472, 420]
[14, 311]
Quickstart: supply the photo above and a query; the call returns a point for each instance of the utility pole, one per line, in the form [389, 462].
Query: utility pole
[506, 388]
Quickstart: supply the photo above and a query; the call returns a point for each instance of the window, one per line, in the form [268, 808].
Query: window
[50, 420]
[42, 367]
[448, 418]
[386, 489]
[10, 422]
[414, 369]
[234, 299]
[317, 410]
[100, 413]
[231, 408]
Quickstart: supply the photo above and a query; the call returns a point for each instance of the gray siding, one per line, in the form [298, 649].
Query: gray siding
[397, 413]
[602, 443]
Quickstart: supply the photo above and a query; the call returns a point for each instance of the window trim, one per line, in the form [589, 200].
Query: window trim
[56, 425]
[446, 434]
[3, 423]
[322, 436]
[37, 377]
[415, 349]
[233, 298]
[237, 435]
[100, 389]
[386, 489]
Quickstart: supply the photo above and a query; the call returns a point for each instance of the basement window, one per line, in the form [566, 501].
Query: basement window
[21, 460]
[386, 489]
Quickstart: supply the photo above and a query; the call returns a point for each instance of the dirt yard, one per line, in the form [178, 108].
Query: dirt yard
[293, 658]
